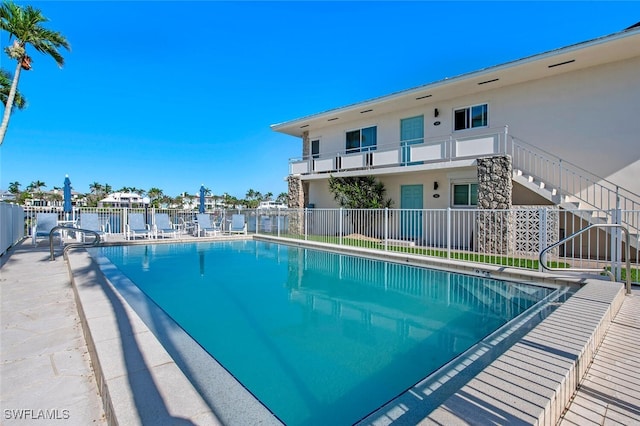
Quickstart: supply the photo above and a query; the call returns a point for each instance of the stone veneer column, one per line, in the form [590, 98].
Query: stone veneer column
[306, 144]
[495, 230]
[298, 199]
[299, 192]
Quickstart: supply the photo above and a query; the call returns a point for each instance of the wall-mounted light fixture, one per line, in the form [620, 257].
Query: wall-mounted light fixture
[435, 185]
[436, 112]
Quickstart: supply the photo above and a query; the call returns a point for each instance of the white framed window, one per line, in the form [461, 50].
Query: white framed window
[471, 117]
[364, 139]
[464, 194]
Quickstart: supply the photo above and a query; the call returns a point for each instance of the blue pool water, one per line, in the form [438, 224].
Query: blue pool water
[320, 337]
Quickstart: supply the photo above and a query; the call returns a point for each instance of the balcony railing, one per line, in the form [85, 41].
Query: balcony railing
[471, 144]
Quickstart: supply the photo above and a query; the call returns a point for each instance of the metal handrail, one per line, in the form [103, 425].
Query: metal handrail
[95, 242]
[543, 253]
[395, 145]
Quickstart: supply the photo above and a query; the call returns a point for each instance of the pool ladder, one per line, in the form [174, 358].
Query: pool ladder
[627, 254]
[95, 242]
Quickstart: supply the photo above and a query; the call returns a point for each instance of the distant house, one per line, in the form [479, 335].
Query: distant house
[122, 199]
[267, 205]
[7, 196]
[54, 198]
[558, 128]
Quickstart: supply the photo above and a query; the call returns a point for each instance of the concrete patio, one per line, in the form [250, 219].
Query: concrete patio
[46, 371]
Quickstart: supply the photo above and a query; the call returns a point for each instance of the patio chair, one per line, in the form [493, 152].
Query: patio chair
[136, 227]
[206, 227]
[238, 224]
[185, 226]
[45, 222]
[163, 226]
[91, 222]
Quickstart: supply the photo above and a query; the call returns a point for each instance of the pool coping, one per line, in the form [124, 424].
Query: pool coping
[531, 383]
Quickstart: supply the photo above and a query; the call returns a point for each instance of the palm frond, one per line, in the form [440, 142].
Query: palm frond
[5, 86]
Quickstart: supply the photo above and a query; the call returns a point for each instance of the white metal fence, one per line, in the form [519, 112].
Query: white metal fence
[11, 225]
[269, 221]
[511, 238]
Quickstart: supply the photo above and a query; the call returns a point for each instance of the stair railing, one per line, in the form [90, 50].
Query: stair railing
[572, 180]
[543, 253]
[67, 247]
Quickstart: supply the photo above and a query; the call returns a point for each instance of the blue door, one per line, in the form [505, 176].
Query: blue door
[411, 221]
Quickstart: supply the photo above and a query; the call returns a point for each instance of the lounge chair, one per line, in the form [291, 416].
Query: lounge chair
[163, 226]
[206, 227]
[91, 222]
[238, 224]
[136, 227]
[45, 222]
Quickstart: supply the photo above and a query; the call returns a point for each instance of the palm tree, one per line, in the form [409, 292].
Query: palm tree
[5, 86]
[14, 187]
[283, 198]
[230, 201]
[95, 187]
[35, 186]
[24, 23]
[156, 195]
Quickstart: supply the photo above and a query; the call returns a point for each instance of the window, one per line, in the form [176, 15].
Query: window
[471, 117]
[315, 149]
[465, 194]
[362, 140]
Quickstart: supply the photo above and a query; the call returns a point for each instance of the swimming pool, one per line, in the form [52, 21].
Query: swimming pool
[320, 337]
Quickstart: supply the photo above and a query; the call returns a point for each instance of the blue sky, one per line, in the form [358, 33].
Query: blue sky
[177, 94]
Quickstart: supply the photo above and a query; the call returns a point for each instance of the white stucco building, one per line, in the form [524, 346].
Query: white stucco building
[566, 119]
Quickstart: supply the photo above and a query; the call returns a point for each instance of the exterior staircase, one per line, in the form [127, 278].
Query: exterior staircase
[590, 197]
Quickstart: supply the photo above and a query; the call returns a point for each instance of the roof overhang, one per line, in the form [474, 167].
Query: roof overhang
[603, 50]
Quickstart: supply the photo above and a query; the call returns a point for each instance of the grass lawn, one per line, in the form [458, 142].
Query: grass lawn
[490, 259]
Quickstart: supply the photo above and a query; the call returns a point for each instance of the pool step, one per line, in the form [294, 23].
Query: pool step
[530, 383]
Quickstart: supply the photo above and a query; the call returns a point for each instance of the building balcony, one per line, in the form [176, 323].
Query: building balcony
[390, 156]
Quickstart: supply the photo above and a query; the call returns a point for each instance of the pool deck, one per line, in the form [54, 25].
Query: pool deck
[78, 352]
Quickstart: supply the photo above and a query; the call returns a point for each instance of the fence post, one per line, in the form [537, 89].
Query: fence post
[542, 233]
[386, 229]
[257, 221]
[123, 221]
[449, 233]
[340, 229]
[306, 221]
[616, 245]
